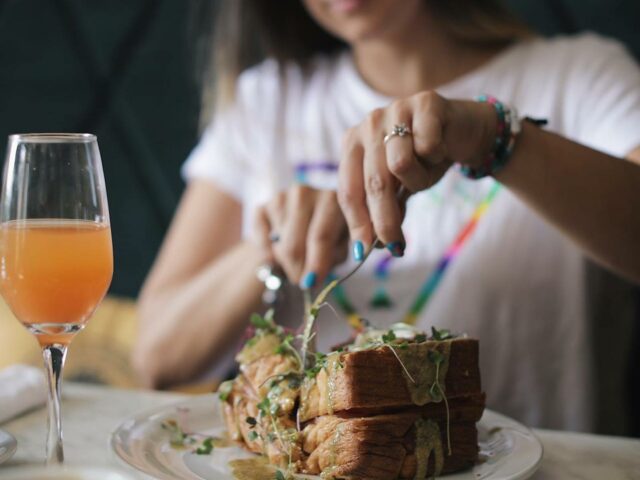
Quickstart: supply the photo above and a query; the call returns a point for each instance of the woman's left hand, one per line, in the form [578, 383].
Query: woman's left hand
[443, 132]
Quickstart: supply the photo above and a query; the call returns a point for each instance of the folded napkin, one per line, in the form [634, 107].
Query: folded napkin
[21, 388]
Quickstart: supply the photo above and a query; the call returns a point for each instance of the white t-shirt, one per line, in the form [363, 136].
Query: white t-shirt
[518, 284]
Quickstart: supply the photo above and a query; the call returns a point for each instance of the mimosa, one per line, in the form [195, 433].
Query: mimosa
[54, 273]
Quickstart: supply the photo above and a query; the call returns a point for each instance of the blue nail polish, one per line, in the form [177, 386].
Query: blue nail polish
[396, 248]
[308, 281]
[358, 251]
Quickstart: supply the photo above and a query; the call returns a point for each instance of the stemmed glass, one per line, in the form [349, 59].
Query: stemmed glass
[56, 257]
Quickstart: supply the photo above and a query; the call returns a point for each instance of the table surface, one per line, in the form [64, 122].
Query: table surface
[91, 413]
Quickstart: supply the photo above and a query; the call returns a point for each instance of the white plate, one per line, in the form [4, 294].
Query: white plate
[61, 473]
[8, 446]
[511, 450]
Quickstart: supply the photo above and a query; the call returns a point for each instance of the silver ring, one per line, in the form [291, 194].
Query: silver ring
[274, 237]
[399, 130]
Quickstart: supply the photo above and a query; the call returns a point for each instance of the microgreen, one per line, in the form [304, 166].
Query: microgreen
[206, 448]
[442, 334]
[435, 357]
[275, 389]
[269, 315]
[319, 364]
[313, 371]
[265, 323]
[258, 321]
[253, 435]
[294, 382]
[177, 437]
[251, 421]
[388, 337]
[225, 390]
[421, 337]
[279, 475]
[263, 406]
[435, 392]
[285, 346]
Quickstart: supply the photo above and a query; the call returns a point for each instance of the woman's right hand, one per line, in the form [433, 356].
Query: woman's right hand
[303, 231]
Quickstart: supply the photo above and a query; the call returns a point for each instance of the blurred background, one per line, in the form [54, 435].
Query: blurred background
[130, 71]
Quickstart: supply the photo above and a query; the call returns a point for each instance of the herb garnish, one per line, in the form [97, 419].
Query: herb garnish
[442, 334]
[419, 338]
[206, 448]
[437, 392]
[263, 323]
[389, 337]
[225, 390]
[320, 363]
[178, 438]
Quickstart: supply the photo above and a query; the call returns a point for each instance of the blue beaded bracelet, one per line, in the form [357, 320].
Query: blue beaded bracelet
[507, 128]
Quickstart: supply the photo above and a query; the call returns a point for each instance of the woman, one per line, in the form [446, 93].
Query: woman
[504, 262]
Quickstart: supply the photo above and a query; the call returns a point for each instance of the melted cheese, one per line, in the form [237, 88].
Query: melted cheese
[428, 442]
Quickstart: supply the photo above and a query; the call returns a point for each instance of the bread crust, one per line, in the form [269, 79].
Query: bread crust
[374, 380]
[369, 428]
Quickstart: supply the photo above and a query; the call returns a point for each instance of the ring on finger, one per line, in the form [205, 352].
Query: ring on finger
[399, 130]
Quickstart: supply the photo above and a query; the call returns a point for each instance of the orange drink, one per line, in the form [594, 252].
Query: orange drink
[56, 258]
[54, 273]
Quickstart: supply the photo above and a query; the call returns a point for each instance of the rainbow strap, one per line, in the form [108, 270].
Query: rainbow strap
[434, 279]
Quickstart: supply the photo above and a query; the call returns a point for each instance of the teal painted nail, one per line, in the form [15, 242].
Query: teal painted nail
[308, 281]
[396, 248]
[358, 251]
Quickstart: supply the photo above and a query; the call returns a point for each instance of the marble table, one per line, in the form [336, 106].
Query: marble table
[91, 413]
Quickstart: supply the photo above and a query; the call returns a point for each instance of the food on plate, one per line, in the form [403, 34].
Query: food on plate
[391, 404]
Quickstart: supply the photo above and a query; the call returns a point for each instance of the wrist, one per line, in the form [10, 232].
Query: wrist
[487, 125]
[472, 131]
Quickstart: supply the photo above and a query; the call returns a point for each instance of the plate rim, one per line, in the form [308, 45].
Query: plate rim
[26, 472]
[149, 411]
[11, 445]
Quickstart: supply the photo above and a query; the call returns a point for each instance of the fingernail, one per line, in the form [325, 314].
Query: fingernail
[396, 248]
[358, 251]
[308, 281]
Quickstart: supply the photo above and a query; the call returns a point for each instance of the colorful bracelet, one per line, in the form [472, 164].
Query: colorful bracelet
[506, 131]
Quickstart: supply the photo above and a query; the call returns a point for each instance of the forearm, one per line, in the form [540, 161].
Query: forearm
[188, 325]
[591, 197]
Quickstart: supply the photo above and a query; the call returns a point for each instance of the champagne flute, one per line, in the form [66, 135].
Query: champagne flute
[56, 257]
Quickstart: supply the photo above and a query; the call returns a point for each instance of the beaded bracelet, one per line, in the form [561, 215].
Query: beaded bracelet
[506, 130]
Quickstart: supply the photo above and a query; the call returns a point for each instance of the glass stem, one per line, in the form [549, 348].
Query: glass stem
[54, 357]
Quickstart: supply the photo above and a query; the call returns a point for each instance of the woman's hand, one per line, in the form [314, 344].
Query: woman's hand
[304, 232]
[443, 132]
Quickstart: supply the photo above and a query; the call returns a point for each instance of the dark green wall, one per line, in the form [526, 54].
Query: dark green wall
[122, 69]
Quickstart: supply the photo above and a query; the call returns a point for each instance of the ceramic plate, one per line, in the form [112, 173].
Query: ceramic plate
[8, 446]
[510, 450]
[61, 473]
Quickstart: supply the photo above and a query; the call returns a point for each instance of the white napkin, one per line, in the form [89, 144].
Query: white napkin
[21, 388]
